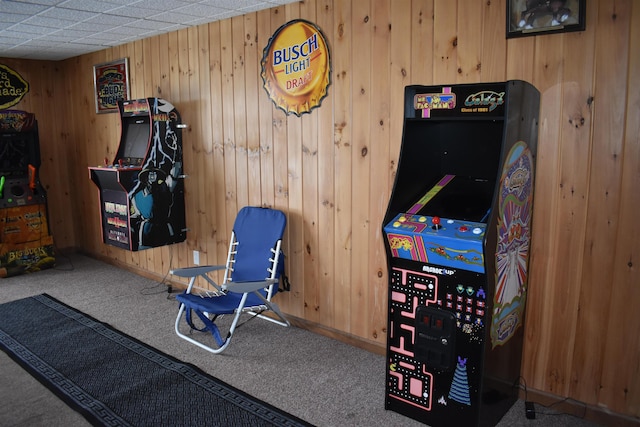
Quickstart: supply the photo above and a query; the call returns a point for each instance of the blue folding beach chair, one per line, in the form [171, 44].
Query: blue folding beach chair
[251, 276]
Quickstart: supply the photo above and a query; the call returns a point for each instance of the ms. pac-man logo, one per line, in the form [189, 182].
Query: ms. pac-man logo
[434, 101]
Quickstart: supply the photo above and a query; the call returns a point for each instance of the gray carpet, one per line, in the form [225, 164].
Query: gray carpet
[320, 380]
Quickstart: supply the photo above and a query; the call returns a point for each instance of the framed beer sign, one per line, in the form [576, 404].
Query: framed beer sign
[111, 84]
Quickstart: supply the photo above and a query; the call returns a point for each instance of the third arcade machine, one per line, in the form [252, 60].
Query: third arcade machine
[25, 243]
[142, 191]
[457, 237]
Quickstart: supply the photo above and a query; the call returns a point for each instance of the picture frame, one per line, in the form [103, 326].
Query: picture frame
[111, 84]
[536, 17]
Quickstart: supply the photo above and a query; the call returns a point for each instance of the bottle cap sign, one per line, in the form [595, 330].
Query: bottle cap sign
[296, 67]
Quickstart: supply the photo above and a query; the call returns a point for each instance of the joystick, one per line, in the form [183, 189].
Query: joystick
[32, 178]
[436, 223]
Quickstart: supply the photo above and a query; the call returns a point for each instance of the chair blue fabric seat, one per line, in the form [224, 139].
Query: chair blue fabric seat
[226, 304]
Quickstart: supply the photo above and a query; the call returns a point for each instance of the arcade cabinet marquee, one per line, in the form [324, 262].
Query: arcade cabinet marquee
[25, 243]
[142, 191]
[457, 237]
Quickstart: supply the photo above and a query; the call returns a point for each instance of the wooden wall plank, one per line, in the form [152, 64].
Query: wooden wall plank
[309, 198]
[445, 41]
[193, 150]
[220, 230]
[469, 45]
[252, 75]
[400, 54]
[203, 164]
[620, 390]
[545, 76]
[421, 40]
[343, 128]
[383, 157]
[58, 158]
[574, 166]
[325, 292]
[228, 122]
[520, 58]
[240, 112]
[182, 95]
[281, 175]
[295, 226]
[494, 44]
[361, 216]
[265, 117]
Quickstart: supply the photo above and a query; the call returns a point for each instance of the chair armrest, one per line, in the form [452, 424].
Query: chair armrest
[195, 271]
[242, 287]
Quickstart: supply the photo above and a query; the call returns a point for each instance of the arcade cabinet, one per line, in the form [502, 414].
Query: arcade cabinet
[142, 191]
[25, 242]
[457, 237]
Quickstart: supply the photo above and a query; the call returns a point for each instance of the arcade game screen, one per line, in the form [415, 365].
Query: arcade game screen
[16, 154]
[136, 139]
[467, 150]
[462, 198]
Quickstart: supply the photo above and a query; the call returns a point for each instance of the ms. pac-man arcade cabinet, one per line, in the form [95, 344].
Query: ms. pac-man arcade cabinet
[457, 236]
[142, 191]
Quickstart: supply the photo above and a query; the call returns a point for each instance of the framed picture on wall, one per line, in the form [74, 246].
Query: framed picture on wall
[535, 17]
[111, 84]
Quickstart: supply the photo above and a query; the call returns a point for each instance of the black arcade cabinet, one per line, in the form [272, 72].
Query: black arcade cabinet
[457, 237]
[142, 191]
[25, 242]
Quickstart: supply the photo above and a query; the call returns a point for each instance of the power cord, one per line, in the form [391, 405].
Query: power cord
[151, 290]
[529, 405]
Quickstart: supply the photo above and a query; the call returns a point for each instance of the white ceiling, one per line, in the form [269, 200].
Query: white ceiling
[61, 29]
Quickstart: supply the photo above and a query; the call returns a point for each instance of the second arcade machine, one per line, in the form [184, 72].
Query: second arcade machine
[457, 237]
[142, 191]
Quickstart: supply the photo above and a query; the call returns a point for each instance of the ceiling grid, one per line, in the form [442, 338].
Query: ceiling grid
[60, 29]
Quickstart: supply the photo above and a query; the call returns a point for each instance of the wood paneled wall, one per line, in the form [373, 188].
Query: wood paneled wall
[332, 170]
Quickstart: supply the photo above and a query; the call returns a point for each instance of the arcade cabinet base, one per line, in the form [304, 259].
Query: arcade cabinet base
[28, 257]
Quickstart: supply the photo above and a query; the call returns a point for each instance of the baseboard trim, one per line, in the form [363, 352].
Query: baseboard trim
[359, 342]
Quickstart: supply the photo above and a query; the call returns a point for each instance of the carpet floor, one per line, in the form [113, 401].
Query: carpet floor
[113, 379]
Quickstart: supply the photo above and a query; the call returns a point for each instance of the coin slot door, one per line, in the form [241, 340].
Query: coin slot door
[435, 338]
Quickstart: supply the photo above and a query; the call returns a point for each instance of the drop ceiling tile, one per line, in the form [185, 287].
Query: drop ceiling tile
[44, 21]
[69, 14]
[87, 5]
[21, 8]
[201, 10]
[33, 30]
[160, 5]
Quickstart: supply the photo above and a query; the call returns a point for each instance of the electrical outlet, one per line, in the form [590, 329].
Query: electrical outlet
[196, 257]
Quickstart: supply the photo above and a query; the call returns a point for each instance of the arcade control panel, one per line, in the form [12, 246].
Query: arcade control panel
[447, 242]
[21, 191]
[123, 163]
